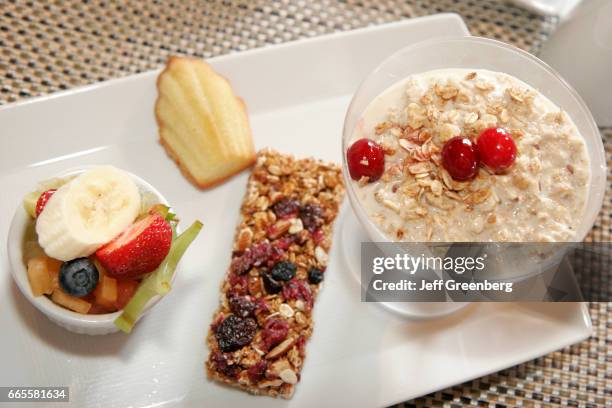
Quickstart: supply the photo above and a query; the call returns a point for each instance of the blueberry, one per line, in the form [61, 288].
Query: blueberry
[241, 306]
[312, 217]
[286, 208]
[315, 276]
[272, 285]
[283, 271]
[235, 332]
[78, 277]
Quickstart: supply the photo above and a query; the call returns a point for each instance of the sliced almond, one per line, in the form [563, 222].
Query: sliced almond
[446, 91]
[281, 349]
[300, 318]
[448, 180]
[477, 197]
[279, 228]
[289, 376]
[407, 145]
[285, 310]
[521, 182]
[276, 170]
[422, 211]
[470, 118]
[424, 134]
[484, 86]
[278, 366]
[438, 202]
[504, 117]
[516, 94]
[490, 203]
[419, 168]
[448, 131]
[262, 203]
[383, 127]
[270, 383]
[428, 231]
[321, 256]
[436, 187]
[296, 226]
[424, 182]
[477, 225]
[363, 181]
[271, 315]
[453, 195]
[392, 205]
[244, 239]
[416, 116]
[410, 189]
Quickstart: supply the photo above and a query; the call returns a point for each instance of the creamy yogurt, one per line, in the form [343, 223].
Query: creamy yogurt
[540, 198]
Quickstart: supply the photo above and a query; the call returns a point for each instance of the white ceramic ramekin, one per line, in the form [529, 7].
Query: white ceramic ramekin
[72, 321]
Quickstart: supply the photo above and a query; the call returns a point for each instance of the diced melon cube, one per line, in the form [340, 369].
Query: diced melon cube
[53, 267]
[41, 281]
[99, 267]
[32, 250]
[106, 292]
[70, 302]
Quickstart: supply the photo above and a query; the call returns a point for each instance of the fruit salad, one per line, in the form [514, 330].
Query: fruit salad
[100, 244]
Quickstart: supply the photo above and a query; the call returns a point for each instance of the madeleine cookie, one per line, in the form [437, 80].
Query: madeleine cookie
[203, 125]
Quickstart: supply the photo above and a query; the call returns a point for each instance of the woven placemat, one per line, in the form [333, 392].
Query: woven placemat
[46, 46]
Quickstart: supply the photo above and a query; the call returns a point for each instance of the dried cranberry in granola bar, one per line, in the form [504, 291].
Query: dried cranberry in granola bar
[258, 335]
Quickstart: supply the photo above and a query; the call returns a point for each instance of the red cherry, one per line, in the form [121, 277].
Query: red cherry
[43, 200]
[459, 158]
[366, 158]
[496, 149]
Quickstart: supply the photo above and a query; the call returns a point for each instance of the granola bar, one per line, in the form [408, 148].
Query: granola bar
[258, 335]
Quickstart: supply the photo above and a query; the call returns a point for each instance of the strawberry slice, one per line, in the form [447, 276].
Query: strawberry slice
[43, 200]
[138, 250]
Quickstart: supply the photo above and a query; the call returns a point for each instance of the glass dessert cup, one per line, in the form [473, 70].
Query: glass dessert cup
[466, 53]
[22, 227]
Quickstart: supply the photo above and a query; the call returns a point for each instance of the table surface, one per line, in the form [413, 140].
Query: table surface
[46, 46]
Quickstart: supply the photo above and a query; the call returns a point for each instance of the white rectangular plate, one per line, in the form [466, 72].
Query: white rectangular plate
[360, 355]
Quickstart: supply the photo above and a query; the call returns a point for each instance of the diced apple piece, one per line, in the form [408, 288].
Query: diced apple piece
[106, 292]
[41, 281]
[70, 302]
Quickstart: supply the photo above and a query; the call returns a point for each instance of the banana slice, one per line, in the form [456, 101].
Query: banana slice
[87, 213]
